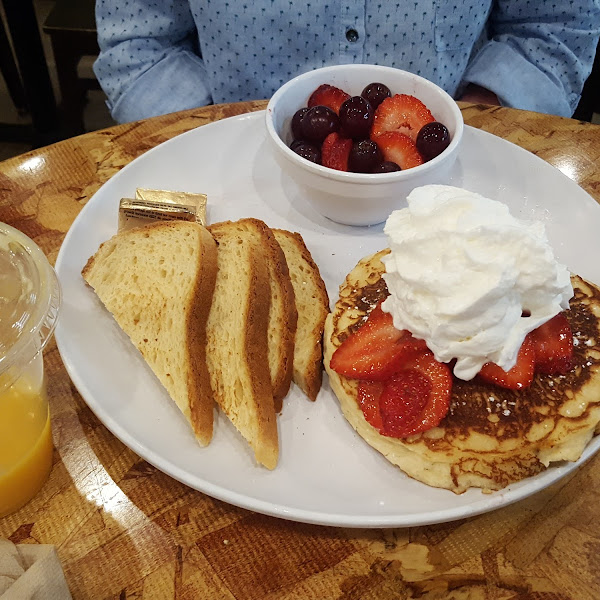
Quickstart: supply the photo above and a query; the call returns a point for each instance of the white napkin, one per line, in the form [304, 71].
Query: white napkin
[31, 572]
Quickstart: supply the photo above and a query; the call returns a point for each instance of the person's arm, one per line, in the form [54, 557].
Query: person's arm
[539, 54]
[147, 65]
[478, 95]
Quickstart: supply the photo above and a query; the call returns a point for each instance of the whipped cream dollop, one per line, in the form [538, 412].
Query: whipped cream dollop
[469, 278]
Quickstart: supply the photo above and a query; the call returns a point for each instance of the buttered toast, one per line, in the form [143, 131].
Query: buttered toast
[158, 282]
[312, 304]
[237, 336]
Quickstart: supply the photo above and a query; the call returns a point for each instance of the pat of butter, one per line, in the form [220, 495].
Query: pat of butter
[150, 206]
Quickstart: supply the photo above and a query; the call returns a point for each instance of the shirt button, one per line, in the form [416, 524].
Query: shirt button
[352, 35]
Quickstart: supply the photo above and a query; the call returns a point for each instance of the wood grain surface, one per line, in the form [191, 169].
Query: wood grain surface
[125, 530]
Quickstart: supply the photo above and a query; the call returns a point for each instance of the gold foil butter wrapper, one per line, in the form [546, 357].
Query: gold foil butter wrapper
[150, 206]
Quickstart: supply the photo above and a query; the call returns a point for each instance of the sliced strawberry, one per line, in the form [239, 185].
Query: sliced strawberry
[520, 376]
[402, 401]
[438, 402]
[328, 95]
[400, 149]
[377, 350]
[335, 151]
[368, 396]
[413, 400]
[403, 113]
[553, 346]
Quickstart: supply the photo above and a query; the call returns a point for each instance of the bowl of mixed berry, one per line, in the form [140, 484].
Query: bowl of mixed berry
[356, 139]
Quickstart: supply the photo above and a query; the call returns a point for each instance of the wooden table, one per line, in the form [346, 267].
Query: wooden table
[125, 530]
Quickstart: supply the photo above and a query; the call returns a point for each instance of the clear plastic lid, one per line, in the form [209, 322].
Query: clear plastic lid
[29, 302]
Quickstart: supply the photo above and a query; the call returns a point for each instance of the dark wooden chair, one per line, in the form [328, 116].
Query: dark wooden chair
[10, 71]
[71, 26]
[590, 97]
[25, 71]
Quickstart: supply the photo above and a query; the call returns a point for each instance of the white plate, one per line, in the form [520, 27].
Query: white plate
[326, 473]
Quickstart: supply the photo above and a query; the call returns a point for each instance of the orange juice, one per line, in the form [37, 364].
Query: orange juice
[25, 444]
[29, 305]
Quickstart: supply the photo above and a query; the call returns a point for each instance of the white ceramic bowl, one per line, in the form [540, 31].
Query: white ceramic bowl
[359, 198]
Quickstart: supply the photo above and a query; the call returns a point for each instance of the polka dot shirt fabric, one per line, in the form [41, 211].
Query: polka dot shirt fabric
[159, 57]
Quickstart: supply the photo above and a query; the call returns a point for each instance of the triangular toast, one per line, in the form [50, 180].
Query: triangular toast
[237, 336]
[312, 304]
[158, 281]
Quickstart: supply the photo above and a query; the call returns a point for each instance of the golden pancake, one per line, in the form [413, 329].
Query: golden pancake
[491, 436]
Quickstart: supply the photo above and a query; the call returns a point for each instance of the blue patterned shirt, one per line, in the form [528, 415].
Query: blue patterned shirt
[159, 57]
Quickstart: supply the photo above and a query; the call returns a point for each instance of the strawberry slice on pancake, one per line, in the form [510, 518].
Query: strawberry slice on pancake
[377, 350]
[553, 346]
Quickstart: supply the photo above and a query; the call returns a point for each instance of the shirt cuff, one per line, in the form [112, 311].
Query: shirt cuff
[516, 81]
[177, 82]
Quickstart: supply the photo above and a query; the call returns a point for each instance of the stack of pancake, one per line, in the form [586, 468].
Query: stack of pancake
[491, 436]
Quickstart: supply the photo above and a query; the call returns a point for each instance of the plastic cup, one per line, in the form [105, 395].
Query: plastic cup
[29, 306]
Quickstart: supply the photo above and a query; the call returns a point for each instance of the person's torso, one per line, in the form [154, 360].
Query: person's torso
[252, 48]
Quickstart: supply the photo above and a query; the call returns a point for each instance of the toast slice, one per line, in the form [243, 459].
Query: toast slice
[158, 282]
[237, 336]
[283, 316]
[312, 304]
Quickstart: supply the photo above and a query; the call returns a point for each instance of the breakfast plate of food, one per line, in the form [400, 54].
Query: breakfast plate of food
[311, 463]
